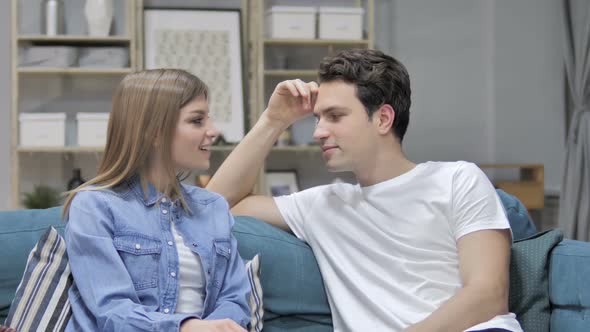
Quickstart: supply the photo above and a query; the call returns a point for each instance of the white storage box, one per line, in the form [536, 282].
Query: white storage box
[92, 128]
[341, 23]
[42, 129]
[105, 57]
[49, 56]
[291, 22]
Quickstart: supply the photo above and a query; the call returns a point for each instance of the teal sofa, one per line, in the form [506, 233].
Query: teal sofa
[294, 295]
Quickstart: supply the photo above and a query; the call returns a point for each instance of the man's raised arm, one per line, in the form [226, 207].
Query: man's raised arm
[235, 178]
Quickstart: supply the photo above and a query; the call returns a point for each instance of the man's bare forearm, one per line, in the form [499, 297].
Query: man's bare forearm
[236, 177]
[469, 307]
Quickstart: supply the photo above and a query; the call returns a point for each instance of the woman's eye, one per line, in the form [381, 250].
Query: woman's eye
[197, 121]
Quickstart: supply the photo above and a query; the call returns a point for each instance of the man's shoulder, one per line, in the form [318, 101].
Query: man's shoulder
[325, 194]
[453, 168]
[450, 165]
[331, 189]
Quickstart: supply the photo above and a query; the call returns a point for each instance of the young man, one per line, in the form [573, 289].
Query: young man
[411, 247]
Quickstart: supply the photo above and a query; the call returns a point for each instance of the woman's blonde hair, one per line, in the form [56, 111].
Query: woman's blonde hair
[146, 108]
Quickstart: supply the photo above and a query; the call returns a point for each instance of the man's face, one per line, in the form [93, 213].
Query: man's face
[343, 129]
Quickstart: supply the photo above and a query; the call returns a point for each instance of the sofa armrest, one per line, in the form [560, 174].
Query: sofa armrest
[569, 292]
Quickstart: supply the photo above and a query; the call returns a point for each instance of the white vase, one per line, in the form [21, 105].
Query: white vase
[99, 15]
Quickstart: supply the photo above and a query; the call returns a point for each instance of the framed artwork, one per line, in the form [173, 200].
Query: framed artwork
[280, 183]
[206, 43]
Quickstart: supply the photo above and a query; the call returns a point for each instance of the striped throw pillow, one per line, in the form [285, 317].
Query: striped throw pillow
[255, 301]
[41, 301]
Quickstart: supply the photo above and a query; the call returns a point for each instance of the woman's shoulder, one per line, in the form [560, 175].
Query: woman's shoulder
[202, 196]
[95, 195]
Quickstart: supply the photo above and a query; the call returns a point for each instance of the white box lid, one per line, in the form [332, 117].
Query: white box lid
[92, 116]
[42, 116]
[292, 9]
[341, 10]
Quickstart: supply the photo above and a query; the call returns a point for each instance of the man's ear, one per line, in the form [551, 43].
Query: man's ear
[385, 116]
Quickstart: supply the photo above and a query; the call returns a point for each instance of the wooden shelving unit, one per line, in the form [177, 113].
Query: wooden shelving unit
[73, 71]
[27, 74]
[291, 73]
[80, 39]
[529, 188]
[318, 42]
[260, 75]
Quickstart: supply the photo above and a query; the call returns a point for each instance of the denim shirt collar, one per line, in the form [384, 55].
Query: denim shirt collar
[153, 195]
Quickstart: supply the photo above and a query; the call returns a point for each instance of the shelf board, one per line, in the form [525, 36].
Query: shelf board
[91, 149]
[319, 42]
[82, 39]
[60, 149]
[290, 72]
[74, 71]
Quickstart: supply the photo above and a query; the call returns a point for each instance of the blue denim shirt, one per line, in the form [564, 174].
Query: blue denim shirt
[124, 259]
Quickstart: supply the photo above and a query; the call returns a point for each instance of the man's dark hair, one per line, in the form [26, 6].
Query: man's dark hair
[379, 78]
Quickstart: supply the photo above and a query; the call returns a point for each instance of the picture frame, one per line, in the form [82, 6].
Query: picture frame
[208, 44]
[280, 183]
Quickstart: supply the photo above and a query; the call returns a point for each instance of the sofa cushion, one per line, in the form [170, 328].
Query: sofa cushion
[529, 287]
[19, 232]
[283, 257]
[569, 287]
[521, 224]
[41, 302]
[298, 324]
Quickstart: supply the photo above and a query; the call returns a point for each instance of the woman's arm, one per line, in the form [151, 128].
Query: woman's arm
[232, 301]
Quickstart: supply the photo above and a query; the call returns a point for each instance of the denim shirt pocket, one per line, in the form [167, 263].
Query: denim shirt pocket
[141, 256]
[222, 255]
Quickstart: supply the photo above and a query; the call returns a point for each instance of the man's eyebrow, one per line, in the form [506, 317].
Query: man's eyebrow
[331, 109]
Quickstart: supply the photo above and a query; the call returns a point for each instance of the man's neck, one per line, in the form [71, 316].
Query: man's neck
[389, 162]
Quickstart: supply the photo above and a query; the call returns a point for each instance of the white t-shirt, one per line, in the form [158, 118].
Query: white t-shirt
[388, 252]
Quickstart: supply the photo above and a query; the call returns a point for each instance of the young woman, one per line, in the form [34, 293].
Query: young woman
[148, 253]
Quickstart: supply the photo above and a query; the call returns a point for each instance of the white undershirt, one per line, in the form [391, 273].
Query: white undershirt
[191, 280]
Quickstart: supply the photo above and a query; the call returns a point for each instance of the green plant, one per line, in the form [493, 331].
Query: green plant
[41, 197]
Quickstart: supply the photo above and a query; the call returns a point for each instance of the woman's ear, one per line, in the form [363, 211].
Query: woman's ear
[386, 116]
[157, 142]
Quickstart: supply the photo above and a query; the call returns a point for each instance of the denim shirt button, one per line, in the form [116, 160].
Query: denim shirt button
[137, 246]
[173, 274]
[166, 310]
[164, 211]
[170, 243]
[164, 200]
